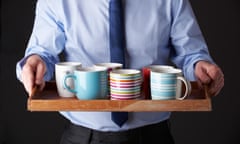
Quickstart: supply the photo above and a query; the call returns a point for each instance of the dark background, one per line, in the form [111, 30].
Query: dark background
[219, 21]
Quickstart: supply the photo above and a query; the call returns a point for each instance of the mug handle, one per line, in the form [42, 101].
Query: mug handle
[187, 86]
[72, 76]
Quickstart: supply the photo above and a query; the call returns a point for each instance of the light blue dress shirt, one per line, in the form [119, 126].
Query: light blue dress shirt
[156, 31]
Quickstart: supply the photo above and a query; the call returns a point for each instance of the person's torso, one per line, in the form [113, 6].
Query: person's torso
[86, 27]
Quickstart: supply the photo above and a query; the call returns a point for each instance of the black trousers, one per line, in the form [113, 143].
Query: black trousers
[152, 134]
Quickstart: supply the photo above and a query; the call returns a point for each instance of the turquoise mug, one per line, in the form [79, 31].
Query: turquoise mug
[89, 83]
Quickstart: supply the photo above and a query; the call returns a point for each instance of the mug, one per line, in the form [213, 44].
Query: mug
[89, 83]
[164, 84]
[61, 69]
[109, 66]
[125, 84]
[146, 78]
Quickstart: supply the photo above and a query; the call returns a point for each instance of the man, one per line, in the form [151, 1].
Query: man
[156, 32]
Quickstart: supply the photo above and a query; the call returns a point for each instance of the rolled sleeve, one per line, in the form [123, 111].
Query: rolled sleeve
[48, 61]
[187, 39]
[47, 39]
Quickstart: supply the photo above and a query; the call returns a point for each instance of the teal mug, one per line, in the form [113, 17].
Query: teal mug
[89, 83]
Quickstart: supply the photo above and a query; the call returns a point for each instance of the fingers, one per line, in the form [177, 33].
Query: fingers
[40, 71]
[28, 77]
[33, 73]
[210, 75]
[36, 88]
[216, 86]
[217, 80]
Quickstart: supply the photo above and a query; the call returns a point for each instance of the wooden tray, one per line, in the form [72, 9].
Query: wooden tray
[48, 100]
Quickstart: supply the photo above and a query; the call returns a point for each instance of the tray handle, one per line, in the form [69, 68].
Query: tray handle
[35, 90]
[206, 89]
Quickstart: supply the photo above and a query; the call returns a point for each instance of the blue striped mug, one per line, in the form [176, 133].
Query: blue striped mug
[164, 84]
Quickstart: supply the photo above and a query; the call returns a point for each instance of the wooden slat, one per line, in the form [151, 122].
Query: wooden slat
[48, 100]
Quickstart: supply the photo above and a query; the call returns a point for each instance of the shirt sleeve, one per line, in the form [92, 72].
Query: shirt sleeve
[187, 40]
[47, 39]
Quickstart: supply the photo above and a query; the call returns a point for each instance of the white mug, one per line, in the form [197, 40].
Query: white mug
[61, 70]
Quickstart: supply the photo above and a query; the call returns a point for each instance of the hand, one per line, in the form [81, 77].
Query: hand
[210, 75]
[33, 72]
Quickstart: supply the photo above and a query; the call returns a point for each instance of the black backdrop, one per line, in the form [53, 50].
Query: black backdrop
[219, 21]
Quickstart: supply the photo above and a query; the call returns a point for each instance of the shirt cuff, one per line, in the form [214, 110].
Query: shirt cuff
[20, 64]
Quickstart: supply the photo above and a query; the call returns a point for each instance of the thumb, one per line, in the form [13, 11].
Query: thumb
[202, 75]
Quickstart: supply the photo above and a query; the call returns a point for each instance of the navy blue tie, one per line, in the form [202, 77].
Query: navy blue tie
[117, 46]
